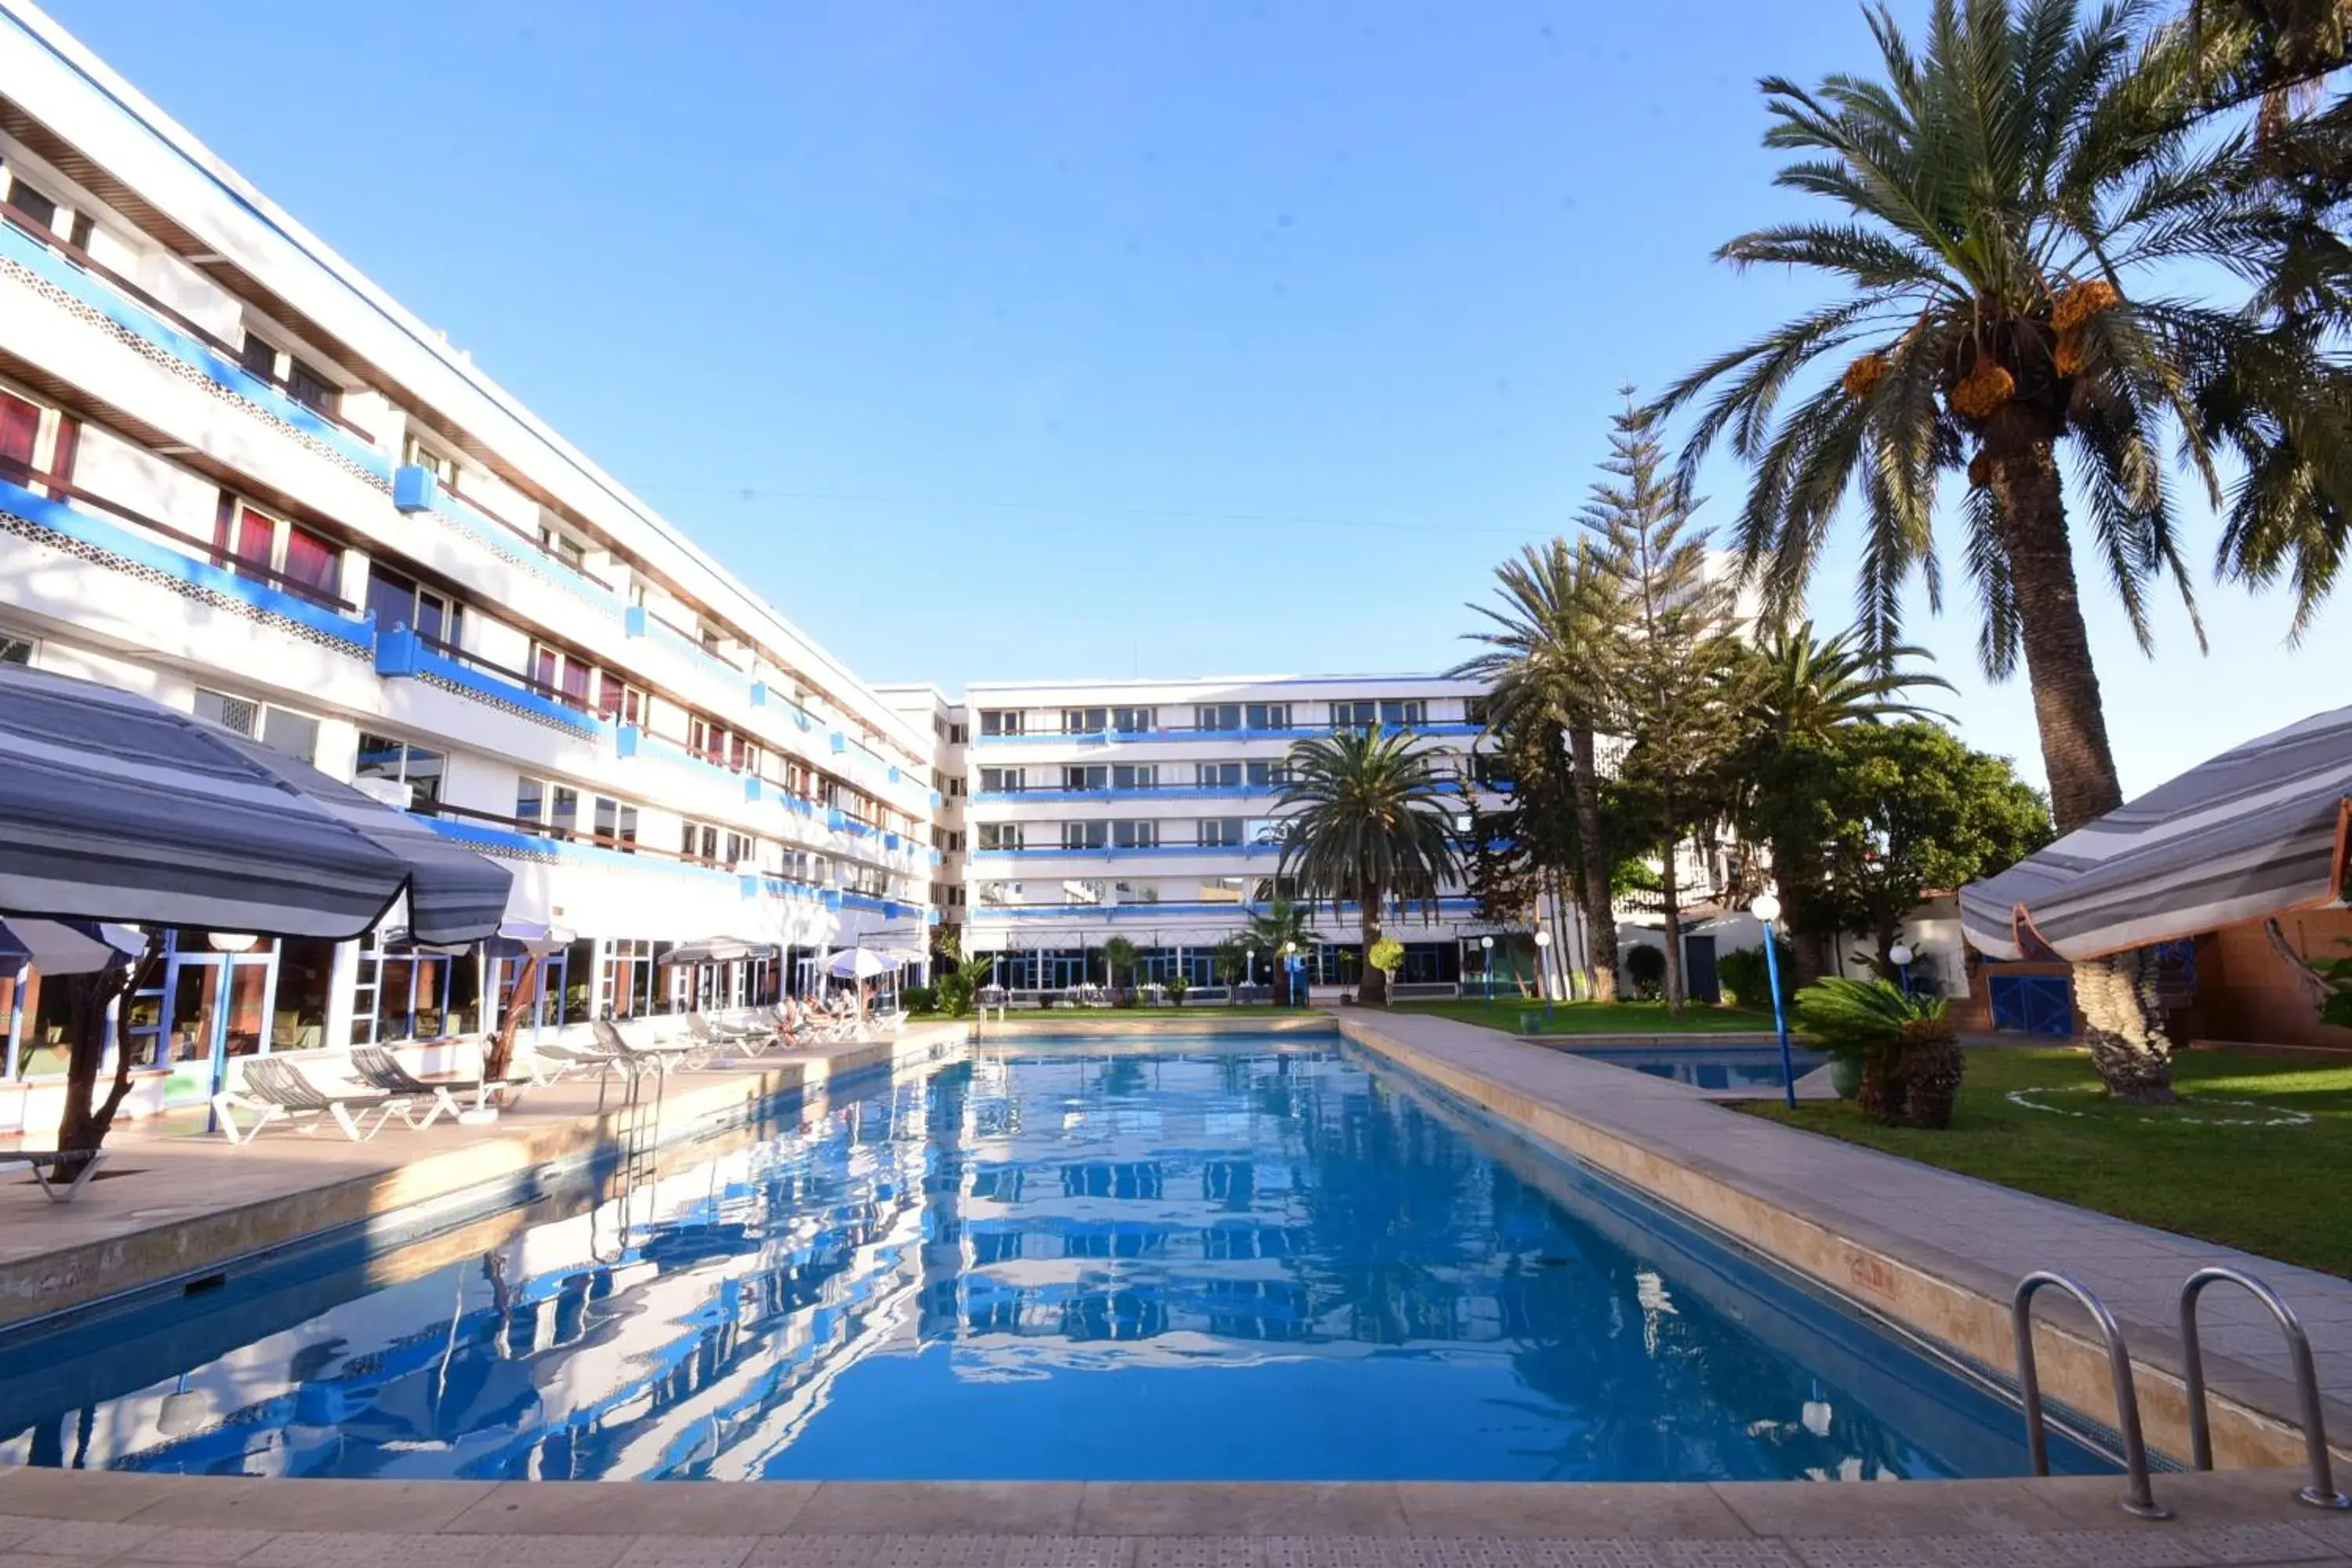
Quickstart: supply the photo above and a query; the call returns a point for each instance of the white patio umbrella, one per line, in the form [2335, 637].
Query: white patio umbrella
[61, 947]
[857, 963]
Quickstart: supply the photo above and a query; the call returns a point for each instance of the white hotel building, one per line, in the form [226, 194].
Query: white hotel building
[236, 475]
[1146, 810]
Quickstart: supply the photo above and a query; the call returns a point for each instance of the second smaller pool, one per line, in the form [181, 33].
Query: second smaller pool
[1708, 1067]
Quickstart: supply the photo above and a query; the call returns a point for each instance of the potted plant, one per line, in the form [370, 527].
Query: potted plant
[1901, 1053]
[1177, 986]
[1388, 957]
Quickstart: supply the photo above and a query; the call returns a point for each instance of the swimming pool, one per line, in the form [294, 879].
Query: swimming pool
[1708, 1067]
[1255, 1258]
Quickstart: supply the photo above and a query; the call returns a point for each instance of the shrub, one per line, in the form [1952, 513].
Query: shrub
[1747, 979]
[954, 992]
[1910, 1054]
[1177, 986]
[1645, 966]
[919, 998]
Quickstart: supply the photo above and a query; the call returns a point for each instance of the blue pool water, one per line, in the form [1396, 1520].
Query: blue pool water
[1709, 1066]
[1243, 1259]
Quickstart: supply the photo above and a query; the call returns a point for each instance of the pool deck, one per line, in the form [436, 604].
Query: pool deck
[1932, 1251]
[174, 1201]
[66, 1518]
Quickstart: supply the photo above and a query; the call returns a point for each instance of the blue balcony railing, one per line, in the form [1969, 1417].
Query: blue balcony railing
[1124, 852]
[215, 364]
[1048, 794]
[415, 491]
[1150, 737]
[1191, 909]
[402, 653]
[85, 533]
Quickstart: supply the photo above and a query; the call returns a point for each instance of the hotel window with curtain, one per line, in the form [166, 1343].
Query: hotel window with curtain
[35, 438]
[398, 761]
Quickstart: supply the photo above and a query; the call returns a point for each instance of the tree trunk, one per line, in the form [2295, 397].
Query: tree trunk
[1592, 871]
[1673, 898]
[2123, 1023]
[500, 1056]
[87, 1120]
[1372, 984]
[2066, 708]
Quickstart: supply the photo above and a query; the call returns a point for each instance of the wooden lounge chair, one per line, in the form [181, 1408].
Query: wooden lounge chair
[45, 1162]
[282, 1093]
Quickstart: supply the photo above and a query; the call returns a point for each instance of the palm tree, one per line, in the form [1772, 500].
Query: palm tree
[1367, 819]
[1544, 650]
[1281, 927]
[1118, 958]
[2000, 197]
[1804, 689]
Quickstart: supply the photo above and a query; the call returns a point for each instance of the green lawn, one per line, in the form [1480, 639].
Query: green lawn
[2276, 1190]
[1594, 1017]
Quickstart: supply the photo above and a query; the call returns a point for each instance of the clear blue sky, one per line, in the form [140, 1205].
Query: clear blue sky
[1036, 338]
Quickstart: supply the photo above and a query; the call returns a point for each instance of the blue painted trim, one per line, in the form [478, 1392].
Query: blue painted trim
[1152, 737]
[864, 903]
[832, 896]
[751, 788]
[835, 819]
[1185, 909]
[400, 652]
[507, 546]
[889, 841]
[837, 742]
[216, 368]
[1113, 853]
[633, 621]
[626, 740]
[935, 800]
[496, 840]
[414, 487]
[934, 856]
[759, 694]
[91, 529]
[1187, 792]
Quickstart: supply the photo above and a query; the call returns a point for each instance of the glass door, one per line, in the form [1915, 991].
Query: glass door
[212, 1006]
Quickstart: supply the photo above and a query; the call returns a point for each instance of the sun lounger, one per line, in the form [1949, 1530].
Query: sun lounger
[665, 1057]
[376, 1066]
[569, 1059]
[45, 1162]
[724, 1036]
[281, 1092]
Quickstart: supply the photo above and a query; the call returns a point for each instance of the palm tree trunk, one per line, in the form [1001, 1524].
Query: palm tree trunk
[1592, 870]
[2124, 1020]
[1372, 985]
[2066, 708]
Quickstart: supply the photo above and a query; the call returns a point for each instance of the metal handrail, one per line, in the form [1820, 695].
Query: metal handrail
[2139, 1497]
[2320, 1492]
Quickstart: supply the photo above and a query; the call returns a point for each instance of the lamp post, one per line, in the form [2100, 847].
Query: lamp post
[1901, 954]
[1767, 909]
[1290, 970]
[1487, 965]
[1543, 971]
[1249, 967]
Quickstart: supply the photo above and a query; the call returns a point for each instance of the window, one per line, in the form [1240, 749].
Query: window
[1135, 775]
[959, 734]
[14, 649]
[416, 454]
[1221, 832]
[272, 550]
[741, 847]
[1136, 892]
[699, 841]
[1217, 775]
[994, 895]
[35, 439]
[382, 757]
[629, 978]
[955, 787]
[564, 547]
[1269, 716]
[566, 677]
[1085, 778]
[1085, 721]
[1490, 769]
[1083, 834]
[999, 721]
[1403, 713]
[1002, 835]
[1001, 781]
[1135, 835]
[1473, 709]
[305, 384]
[1271, 775]
[33, 204]
[280, 730]
[955, 842]
[1135, 720]
[1221, 889]
[623, 703]
[1217, 716]
[542, 806]
[399, 601]
[720, 747]
[1355, 715]
[617, 824]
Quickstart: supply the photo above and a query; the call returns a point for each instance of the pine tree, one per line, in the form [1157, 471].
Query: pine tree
[1674, 672]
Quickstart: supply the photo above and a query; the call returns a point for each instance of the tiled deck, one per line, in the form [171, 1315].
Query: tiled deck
[65, 1519]
[174, 1199]
[1938, 1252]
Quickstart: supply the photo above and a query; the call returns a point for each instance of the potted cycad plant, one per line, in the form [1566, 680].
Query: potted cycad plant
[1901, 1052]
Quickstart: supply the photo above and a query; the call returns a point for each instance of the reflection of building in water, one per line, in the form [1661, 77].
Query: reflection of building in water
[639, 1339]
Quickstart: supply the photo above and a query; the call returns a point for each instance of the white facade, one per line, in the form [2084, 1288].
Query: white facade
[1145, 809]
[236, 475]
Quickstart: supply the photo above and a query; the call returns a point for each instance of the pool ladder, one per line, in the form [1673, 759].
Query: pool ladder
[639, 1144]
[2139, 1496]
